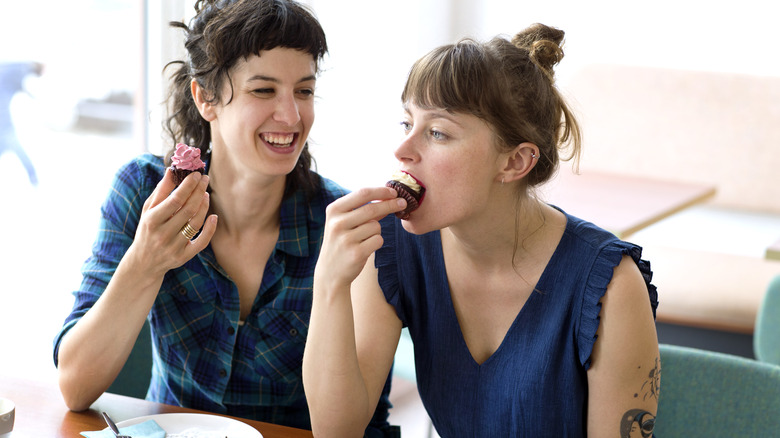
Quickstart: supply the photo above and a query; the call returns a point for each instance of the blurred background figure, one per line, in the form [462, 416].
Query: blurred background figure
[12, 76]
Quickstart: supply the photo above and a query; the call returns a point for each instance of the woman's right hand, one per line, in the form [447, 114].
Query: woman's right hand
[93, 352]
[353, 233]
[159, 245]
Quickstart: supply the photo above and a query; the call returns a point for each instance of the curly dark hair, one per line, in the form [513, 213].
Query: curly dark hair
[222, 33]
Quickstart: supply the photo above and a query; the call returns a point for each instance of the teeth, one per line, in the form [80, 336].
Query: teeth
[279, 139]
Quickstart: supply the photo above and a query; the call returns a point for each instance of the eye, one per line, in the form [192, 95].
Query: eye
[306, 92]
[438, 135]
[263, 91]
[406, 126]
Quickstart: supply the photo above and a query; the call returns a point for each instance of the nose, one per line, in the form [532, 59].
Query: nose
[406, 152]
[286, 110]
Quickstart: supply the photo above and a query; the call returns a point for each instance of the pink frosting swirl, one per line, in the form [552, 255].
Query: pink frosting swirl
[187, 158]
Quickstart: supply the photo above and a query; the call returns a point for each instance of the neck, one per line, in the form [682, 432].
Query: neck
[499, 239]
[245, 204]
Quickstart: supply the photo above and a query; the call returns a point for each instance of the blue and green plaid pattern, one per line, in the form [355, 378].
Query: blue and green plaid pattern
[203, 357]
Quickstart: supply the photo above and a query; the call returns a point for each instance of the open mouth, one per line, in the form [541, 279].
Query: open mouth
[411, 180]
[409, 188]
[422, 186]
[279, 140]
[423, 190]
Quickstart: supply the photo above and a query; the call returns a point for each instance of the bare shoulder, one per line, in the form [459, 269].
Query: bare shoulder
[626, 326]
[628, 289]
[624, 378]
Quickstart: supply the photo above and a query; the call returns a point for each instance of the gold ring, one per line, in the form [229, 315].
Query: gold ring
[188, 232]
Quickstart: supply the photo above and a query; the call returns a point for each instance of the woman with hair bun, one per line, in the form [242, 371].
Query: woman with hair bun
[526, 321]
[228, 300]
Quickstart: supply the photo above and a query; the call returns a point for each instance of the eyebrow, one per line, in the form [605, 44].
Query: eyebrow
[276, 81]
[436, 114]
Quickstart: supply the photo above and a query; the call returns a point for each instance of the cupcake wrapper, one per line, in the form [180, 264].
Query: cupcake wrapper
[412, 198]
[180, 174]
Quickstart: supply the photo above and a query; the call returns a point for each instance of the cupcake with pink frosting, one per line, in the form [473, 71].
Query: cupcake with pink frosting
[186, 160]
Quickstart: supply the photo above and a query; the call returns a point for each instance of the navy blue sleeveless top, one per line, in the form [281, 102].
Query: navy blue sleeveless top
[535, 384]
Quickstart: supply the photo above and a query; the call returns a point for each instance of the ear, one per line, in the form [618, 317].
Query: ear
[205, 108]
[519, 162]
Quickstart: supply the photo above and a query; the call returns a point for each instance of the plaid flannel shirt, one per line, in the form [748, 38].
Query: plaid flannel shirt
[204, 358]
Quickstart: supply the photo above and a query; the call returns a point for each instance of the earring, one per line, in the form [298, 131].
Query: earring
[534, 156]
[502, 180]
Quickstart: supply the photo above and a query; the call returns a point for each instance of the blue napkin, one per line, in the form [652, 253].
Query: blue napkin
[147, 429]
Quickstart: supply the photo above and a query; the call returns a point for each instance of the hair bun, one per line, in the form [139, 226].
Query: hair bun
[543, 44]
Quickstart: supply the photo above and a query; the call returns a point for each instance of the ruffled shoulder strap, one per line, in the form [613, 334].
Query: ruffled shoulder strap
[386, 262]
[600, 276]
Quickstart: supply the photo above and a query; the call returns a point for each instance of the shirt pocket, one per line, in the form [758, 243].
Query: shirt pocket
[279, 338]
[183, 314]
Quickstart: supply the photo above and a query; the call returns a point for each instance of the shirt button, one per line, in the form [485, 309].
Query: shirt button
[231, 330]
[293, 332]
[222, 373]
[182, 290]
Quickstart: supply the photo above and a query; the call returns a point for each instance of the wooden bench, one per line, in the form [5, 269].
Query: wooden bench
[709, 290]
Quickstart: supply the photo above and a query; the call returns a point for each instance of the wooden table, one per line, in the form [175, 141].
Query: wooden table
[41, 412]
[621, 203]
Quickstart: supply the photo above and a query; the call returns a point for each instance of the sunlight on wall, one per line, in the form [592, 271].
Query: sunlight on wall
[359, 109]
[735, 37]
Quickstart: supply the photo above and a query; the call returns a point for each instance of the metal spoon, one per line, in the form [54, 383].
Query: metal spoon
[113, 427]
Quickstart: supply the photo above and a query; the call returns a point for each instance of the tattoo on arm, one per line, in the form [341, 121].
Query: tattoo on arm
[638, 422]
[652, 386]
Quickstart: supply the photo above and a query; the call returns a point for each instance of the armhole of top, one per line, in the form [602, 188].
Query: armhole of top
[596, 287]
[386, 262]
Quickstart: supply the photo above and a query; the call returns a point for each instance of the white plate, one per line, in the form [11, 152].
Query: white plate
[198, 423]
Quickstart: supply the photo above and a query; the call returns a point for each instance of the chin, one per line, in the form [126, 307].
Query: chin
[284, 167]
[416, 225]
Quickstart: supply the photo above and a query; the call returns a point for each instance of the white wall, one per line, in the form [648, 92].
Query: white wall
[733, 36]
[359, 112]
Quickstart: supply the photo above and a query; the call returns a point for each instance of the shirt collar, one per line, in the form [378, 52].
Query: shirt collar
[293, 226]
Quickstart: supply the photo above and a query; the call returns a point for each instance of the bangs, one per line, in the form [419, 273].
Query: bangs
[454, 77]
[290, 26]
[273, 24]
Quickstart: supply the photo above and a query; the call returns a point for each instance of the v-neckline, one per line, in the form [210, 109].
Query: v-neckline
[532, 299]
